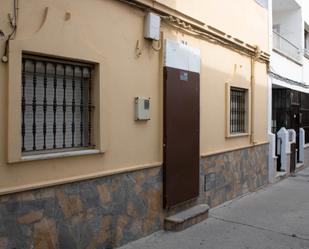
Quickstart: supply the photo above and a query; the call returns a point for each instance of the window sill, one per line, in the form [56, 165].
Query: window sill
[60, 155]
[237, 135]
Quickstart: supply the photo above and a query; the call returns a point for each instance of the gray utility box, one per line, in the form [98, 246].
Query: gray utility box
[142, 109]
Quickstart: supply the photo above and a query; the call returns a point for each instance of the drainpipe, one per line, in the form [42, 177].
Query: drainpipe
[252, 118]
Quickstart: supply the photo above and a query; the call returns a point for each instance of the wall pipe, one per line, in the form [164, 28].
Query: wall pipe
[253, 83]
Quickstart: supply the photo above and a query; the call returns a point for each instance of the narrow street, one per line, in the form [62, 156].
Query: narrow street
[276, 217]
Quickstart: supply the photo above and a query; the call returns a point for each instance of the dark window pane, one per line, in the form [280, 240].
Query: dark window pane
[237, 110]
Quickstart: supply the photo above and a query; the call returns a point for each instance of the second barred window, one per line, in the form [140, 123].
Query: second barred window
[238, 110]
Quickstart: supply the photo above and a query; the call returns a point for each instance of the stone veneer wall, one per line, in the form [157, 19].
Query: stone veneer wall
[113, 210]
[228, 175]
[100, 213]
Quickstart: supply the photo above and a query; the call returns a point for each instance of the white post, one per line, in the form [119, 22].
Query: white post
[301, 145]
[272, 168]
[292, 136]
[285, 148]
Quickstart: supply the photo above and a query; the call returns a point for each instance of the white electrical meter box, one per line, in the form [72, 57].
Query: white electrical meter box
[152, 26]
[142, 108]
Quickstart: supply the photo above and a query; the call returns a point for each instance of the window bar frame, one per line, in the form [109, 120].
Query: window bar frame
[81, 125]
[55, 107]
[235, 113]
[231, 111]
[73, 108]
[64, 107]
[40, 78]
[23, 104]
[45, 106]
[34, 84]
[238, 111]
[89, 108]
[244, 111]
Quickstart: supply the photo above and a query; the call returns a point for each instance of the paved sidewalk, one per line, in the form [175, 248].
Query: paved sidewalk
[276, 217]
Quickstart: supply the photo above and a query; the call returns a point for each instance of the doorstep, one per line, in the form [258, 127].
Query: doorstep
[187, 218]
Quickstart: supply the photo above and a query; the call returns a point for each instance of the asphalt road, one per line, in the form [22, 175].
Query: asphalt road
[276, 217]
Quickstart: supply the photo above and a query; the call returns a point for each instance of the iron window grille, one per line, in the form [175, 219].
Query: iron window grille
[238, 110]
[56, 105]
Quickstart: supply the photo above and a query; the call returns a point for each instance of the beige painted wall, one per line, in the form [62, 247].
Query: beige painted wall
[110, 30]
[244, 19]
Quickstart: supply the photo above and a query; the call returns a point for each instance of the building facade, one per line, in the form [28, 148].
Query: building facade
[105, 133]
[289, 79]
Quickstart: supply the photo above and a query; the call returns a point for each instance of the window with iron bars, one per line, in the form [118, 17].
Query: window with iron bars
[238, 113]
[56, 105]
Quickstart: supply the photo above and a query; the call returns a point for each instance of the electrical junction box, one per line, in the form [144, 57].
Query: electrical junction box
[152, 26]
[142, 108]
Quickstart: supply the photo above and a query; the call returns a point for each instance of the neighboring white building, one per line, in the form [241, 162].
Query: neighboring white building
[289, 83]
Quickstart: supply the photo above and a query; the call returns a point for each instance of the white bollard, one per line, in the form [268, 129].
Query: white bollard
[285, 148]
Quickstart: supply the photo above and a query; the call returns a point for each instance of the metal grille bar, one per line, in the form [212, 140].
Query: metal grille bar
[89, 109]
[73, 108]
[82, 108]
[56, 96]
[23, 106]
[55, 106]
[237, 110]
[34, 105]
[45, 106]
[64, 107]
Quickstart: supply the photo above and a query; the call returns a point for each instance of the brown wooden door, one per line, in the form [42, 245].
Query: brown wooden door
[181, 136]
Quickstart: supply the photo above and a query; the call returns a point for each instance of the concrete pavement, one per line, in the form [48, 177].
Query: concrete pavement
[276, 217]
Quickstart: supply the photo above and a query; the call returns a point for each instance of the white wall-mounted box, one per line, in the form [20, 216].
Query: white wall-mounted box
[142, 108]
[152, 26]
